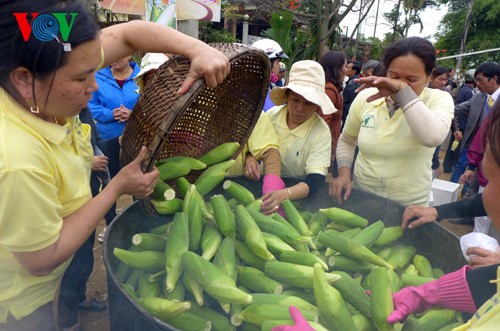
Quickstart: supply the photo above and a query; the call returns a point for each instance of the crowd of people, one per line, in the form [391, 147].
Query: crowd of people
[376, 126]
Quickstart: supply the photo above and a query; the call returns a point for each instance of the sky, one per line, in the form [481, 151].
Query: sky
[430, 17]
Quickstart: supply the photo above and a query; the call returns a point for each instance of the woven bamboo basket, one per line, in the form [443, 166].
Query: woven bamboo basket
[194, 123]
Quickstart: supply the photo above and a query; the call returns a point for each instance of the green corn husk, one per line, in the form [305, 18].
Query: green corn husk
[226, 258]
[435, 319]
[294, 217]
[163, 309]
[148, 242]
[257, 281]
[224, 216]
[213, 280]
[300, 293]
[345, 263]
[251, 233]
[284, 300]
[381, 302]
[148, 289]
[129, 289]
[190, 321]
[178, 294]
[270, 324]
[220, 153]
[345, 217]
[293, 274]
[351, 248]
[423, 265]
[134, 277]
[307, 259]
[275, 245]
[238, 192]
[167, 207]
[211, 239]
[163, 191]
[151, 261]
[332, 308]
[352, 292]
[317, 223]
[267, 224]
[411, 270]
[219, 321]
[257, 314]
[363, 323]
[401, 256]
[437, 273]
[389, 235]
[247, 256]
[162, 229]
[194, 288]
[411, 280]
[370, 234]
[177, 244]
[192, 210]
[183, 185]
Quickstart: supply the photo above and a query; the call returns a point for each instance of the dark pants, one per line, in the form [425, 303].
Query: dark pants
[40, 319]
[451, 157]
[112, 151]
[460, 166]
[74, 282]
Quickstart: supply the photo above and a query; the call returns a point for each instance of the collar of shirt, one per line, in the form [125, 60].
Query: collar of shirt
[52, 132]
[302, 130]
[495, 94]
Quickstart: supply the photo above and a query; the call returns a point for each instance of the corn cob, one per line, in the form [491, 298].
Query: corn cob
[436, 318]
[254, 205]
[186, 161]
[317, 223]
[301, 247]
[287, 233]
[192, 209]
[294, 274]
[394, 280]
[451, 326]
[247, 256]
[122, 271]
[224, 216]
[171, 170]
[190, 321]
[284, 300]
[307, 259]
[344, 217]
[411, 280]
[437, 273]
[337, 227]
[163, 309]
[389, 235]
[251, 233]
[148, 242]
[178, 294]
[213, 280]
[238, 192]
[306, 216]
[220, 153]
[211, 239]
[381, 299]
[411, 270]
[129, 290]
[275, 245]
[167, 207]
[257, 314]
[183, 186]
[345, 263]
[294, 217]
[163, 191]
[211, 177]
[352, 292]
[134, 277]
[363, 323]
[194, 288]
[145, 260]
[177, 244]
[148, 289]
[157, 276]
[401, 256]
[411, 324]
[385, 252]
[370, 234]
[235, 311]
[219, 321]
[162, 229]
[332, 308]
[257, 281]
[270, 324]
[226, 259]
[423, 265]
[351, 248]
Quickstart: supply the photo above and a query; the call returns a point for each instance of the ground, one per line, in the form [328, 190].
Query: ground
[97, 284]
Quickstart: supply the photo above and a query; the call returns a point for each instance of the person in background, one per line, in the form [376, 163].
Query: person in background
[73, 287]
[353, 71]
[304, 138]
[281, 75]
[333, 64]
[368, 67]
[150, 63]
[275, 53]
[397, 122]
[465, 93]
[46, 156]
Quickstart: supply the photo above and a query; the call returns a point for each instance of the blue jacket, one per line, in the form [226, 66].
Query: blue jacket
[109, 96]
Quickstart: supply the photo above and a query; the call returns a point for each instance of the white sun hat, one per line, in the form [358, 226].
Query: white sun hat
[306, 78]
[151, 61]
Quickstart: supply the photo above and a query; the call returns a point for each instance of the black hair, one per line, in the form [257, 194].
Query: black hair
[333, 64]
[356, 65]
[370, 64]
[379, 70]
[438, 71]
[41, 58]
[489, 69]
[492, 132]
[420, 47]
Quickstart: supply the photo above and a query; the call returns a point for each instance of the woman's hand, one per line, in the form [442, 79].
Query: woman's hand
[422, 215]
[386, 86]
[271, 202]
[457, 135]
[480, 257]
[339, 184]
[131, 180]
[252, 168]
[209, 63]
[100, 163]
[466, 177]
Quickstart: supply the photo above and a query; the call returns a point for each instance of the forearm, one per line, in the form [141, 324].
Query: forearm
[470, 207]
[272, 162]
[429, 128]
[298, 191]
[345, 150]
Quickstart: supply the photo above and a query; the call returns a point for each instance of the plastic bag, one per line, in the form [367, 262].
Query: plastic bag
[477, 239]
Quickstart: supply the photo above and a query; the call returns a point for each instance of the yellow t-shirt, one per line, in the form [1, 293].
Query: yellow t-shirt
[304, 150]
[391, 161]
[44, 175]
[262, 138]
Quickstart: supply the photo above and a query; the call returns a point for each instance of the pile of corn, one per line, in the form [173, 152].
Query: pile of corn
[220, 264]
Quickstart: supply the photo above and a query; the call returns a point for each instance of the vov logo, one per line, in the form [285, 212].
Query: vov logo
[46, 27]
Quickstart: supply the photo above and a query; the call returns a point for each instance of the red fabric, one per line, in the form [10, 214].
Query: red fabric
[334, 121]
[475, 152]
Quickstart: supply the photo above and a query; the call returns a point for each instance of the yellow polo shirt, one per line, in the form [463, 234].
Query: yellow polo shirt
[304, 150]
[44, 176]
[391, 161]
[262, 138]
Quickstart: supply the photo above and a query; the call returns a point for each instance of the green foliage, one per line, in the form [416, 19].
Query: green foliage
[484, 31]
[210, 34]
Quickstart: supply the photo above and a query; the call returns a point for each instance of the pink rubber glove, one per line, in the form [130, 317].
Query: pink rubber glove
[450, 291]
[299, 320]
[272, 183]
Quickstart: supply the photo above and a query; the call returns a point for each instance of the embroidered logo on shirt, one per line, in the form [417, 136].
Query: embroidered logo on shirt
[368, 121]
